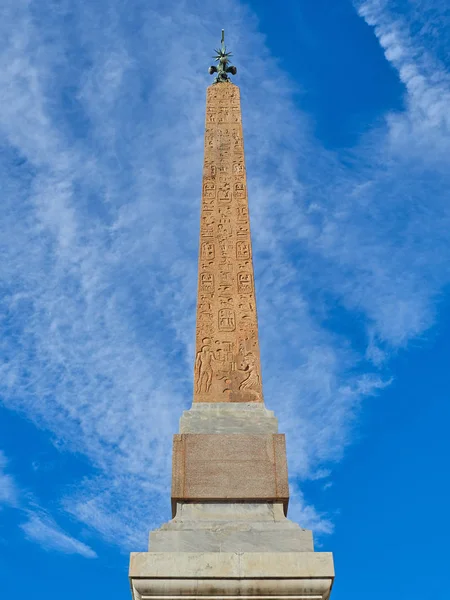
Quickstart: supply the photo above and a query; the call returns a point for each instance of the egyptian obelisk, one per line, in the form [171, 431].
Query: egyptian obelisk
[227, 365]
[229, 536]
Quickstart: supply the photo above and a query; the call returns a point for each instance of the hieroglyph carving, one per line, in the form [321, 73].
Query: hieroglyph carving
[207, 250]
[242, 250]
[227, 363]
[227, 319]
[207, 282]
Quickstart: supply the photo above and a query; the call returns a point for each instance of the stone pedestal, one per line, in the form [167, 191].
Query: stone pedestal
[230, 527]
[230, 537]
[231, 575]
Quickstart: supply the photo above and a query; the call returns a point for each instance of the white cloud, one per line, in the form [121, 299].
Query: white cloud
[308, 516]
[42, 529]
[9, 492]
[423, 130]
[102, 150]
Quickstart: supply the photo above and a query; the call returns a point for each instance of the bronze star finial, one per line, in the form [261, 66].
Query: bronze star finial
[222, 57]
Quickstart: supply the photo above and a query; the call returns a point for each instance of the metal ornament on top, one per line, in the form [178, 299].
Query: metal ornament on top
[223, 68]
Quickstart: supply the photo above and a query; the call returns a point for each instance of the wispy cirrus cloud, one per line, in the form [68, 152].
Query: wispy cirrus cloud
[42, 529]
[9, 492]
[101, 162]
[39, 527]
[422, 131]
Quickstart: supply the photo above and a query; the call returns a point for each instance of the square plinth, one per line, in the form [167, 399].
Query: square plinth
[229, 467]
[231, 575]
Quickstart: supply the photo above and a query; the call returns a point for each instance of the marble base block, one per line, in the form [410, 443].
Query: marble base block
[226, 417]
[230, 527]
[231, 575]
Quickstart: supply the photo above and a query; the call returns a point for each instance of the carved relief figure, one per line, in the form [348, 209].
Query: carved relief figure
[252, 380]
[204, 366]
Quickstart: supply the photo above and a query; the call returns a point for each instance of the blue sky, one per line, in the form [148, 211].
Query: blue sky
[346, 111]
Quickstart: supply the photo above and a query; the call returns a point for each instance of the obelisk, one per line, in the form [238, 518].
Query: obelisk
[227, 365]
[229, 536]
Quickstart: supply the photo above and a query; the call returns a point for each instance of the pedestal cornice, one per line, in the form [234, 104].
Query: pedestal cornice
[230, 575]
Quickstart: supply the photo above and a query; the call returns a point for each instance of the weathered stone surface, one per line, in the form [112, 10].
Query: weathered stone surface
[205, 512]
[227, 364]
[225, 417]
[297, 575]
[234, 527]
[234, 467]
[227, 539]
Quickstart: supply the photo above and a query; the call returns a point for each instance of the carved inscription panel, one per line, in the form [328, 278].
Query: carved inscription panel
[227, 363]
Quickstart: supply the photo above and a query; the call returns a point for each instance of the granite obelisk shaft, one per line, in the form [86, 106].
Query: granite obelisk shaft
[227, 364]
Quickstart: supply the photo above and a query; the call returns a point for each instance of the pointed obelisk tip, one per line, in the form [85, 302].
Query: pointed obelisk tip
[222, 58]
